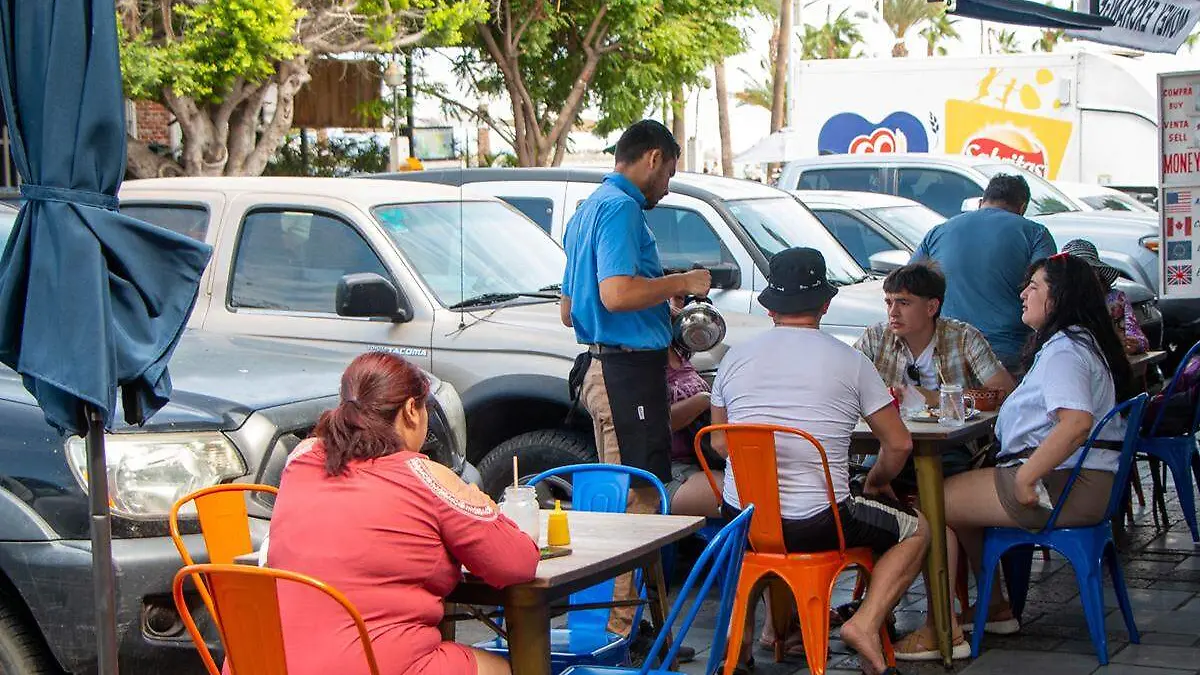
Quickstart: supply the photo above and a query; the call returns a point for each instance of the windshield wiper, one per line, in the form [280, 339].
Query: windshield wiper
[493, 298]
[551, 287]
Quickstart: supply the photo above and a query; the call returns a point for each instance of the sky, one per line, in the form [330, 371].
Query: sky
[749, 124]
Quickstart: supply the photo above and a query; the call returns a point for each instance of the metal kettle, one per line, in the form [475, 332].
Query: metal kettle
[698, 327]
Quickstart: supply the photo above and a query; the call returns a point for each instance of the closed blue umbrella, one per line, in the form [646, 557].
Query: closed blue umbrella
[89, 299]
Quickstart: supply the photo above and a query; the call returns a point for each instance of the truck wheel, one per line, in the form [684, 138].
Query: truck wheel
[22, 651]
[535, 451]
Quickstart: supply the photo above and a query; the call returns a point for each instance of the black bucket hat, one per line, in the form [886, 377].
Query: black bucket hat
[1086, 251]
[797, 283]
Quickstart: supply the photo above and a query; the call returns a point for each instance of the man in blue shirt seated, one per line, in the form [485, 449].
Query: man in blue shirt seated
[616, 297]
[985, 255]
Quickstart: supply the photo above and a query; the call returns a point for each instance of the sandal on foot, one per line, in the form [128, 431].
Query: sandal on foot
[922, 645]
[1001, 621]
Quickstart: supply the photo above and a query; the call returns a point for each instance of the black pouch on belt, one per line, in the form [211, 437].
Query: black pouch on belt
[636, 385]
[575, 382]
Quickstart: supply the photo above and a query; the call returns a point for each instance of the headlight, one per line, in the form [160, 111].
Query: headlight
[147, 473]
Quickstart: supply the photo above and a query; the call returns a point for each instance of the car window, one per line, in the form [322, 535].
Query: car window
[464, 250]
[910, 223]
[293, 260]
[538, 209]
[776, 223]
[942, 191]
[856, 236]
[7, 220]
[857, 180]
[1044, 198]
[186, 219]
[685, 238]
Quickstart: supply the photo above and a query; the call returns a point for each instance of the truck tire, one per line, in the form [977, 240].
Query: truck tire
[22, 651]
[535, 451]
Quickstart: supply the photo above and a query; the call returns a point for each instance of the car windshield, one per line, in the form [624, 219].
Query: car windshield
[910, 223]
[465, 250]
[777, 223]
[1115, 202]
[1044, 198]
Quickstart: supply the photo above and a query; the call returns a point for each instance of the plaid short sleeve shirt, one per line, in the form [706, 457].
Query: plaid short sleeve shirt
[961, 354]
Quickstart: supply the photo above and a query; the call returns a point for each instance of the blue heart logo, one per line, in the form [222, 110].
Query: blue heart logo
[852, 133]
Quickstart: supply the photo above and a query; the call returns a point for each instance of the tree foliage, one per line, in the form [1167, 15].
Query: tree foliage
[901, 16]
[554, 58]
[229, 70]
[937, 30]
[838, 38]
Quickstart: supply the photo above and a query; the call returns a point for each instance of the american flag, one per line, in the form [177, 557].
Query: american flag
[1179, 275]
[1179, 202]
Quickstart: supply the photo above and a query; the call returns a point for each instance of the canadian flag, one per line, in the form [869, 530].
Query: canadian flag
[1179, 226]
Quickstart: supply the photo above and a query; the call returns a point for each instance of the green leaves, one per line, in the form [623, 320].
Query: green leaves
[217, 43]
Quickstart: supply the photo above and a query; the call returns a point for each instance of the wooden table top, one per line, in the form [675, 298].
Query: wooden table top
[602, 541]
[932, 431]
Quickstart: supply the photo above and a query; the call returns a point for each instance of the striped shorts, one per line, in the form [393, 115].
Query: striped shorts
[866, 521]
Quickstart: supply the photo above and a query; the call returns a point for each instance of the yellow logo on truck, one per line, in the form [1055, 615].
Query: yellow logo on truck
[1030, 141]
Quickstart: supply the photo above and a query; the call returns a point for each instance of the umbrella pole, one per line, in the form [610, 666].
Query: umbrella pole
[104, 582]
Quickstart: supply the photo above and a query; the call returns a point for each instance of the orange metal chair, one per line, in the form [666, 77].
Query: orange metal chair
[224, 524]
[247, 605]
[809, 576]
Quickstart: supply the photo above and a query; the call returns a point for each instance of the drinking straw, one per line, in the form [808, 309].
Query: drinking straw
[516, 475]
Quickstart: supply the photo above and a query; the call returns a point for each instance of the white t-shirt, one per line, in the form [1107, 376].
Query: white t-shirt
[808, 380]
[925, 364]
[1068, 374]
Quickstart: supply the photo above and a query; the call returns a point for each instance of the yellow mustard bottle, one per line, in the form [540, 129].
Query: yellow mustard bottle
[557, 531]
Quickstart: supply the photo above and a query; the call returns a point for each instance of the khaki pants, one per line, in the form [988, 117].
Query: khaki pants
[641, 499]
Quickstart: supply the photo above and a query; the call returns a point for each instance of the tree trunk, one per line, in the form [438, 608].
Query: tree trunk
[679, 124]
[723, 119]
[783, 49]
[899, 49]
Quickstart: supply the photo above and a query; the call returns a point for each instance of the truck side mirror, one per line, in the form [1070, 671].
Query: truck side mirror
[369, 295]
[886, 261]
[725, 275]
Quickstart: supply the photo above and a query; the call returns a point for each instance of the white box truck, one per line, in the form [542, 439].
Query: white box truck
[1083, 117]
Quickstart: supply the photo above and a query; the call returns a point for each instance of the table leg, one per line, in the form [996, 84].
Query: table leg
[447, 627]
[933, 505]
[658, 607]
[527, 613]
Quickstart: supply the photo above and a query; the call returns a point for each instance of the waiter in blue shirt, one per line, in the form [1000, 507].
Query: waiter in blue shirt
[616, 297]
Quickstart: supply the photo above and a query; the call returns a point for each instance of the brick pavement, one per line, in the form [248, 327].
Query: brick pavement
[1161, 568]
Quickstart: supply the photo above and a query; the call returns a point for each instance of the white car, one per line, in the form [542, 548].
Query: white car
[1089, 197]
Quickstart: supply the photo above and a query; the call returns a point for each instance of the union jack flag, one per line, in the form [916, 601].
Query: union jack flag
[1179, 275]
[1179, 202]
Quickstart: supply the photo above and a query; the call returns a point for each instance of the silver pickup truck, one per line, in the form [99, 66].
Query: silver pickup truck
[466, 287]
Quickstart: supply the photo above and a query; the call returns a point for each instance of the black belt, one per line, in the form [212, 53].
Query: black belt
[616, 349]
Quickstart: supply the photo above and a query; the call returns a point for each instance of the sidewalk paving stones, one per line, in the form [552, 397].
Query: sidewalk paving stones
[1162, 569]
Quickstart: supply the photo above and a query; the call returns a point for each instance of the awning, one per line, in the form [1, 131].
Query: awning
[1026, 13]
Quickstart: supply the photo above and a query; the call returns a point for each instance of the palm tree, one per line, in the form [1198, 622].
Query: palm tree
[838, 38]
[902, 15]
[723, 119]
[939, 28]
[1006, 42]
[779, 79]
[758, 93]
[1049, 38]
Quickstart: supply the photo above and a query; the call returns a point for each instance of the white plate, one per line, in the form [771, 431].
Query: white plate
[932, 416]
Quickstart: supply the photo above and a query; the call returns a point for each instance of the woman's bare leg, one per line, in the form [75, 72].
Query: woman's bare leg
[490, 664]
[695, 497]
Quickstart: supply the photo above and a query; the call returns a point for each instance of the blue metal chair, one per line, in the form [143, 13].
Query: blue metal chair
[586, 639]
[1177, 452]
[1086, 548]
[719, 564]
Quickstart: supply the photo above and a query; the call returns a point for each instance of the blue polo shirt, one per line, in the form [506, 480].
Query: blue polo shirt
[985, 256]
[608, 237]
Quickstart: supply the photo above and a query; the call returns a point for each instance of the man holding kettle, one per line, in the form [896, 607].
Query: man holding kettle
[616, 297]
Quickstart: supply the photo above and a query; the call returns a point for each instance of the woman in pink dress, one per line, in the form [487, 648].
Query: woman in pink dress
[361, 509]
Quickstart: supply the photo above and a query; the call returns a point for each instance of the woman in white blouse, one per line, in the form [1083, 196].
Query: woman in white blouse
[1077, 372]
